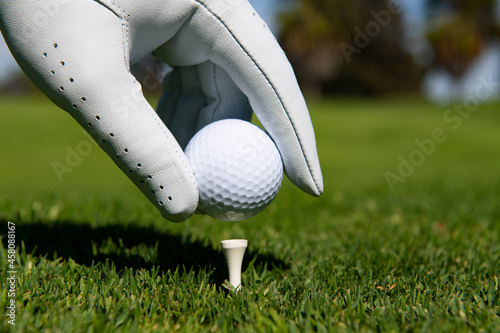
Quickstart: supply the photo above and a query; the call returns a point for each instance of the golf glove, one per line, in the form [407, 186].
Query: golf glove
[226, 65]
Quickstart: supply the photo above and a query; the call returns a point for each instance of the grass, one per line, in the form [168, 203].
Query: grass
[94, 256]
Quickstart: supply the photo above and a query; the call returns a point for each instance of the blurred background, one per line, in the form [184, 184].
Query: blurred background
[438, 48]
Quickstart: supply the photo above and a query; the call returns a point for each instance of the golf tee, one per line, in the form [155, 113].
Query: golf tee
[234, 250]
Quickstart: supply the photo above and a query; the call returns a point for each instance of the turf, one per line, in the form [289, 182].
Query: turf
[418, 254]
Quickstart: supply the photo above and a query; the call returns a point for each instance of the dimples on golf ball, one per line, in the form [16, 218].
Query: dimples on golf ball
[237, 167]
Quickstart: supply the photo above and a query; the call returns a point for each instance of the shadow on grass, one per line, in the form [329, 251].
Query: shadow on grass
[133, 247]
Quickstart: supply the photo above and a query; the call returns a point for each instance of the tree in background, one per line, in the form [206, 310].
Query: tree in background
[348, 47]
[459, 30]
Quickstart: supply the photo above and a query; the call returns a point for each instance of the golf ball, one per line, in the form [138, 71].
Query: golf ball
[237, 167]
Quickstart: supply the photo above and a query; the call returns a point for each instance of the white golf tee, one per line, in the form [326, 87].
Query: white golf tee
[234, 250]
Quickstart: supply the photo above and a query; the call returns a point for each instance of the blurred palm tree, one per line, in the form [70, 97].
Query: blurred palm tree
[459, 30]
[333, 50]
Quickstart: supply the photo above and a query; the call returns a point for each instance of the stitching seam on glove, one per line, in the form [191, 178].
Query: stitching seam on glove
[214, 69]
[125, 28]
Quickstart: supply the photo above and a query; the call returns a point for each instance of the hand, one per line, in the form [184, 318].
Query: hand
[78, 52]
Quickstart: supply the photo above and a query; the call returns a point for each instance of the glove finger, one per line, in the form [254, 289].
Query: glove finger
[224, 99]
[195, 96]
[181, 102]
[232, 35]
[78, 62]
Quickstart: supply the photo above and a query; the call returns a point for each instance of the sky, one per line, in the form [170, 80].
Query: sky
[8, 65]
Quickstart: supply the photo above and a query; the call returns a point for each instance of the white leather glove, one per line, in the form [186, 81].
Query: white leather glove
[78, 52]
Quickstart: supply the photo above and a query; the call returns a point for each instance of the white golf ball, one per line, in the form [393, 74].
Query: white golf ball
[237, 167]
